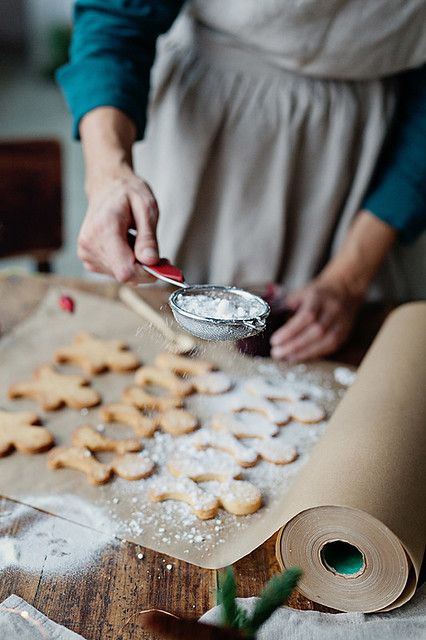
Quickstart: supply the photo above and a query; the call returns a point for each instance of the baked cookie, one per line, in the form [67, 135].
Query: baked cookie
[203, 504]
[129, 415]
[225, 441]
[183, 365]
[87, 437]
[18, 431]
[307, 411]
[203, 467]
[244, 424]
[274, 411]
[141, 399]
[177, 422]
[133, 466]
[274, 390]
[275, 451]
[213, 384]
[240, 497]
[154, 376]
[94, 355]
[52, 390]
[79, 460]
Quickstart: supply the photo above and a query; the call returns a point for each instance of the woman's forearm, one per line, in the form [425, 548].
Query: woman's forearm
[107, 135]
[368, 242]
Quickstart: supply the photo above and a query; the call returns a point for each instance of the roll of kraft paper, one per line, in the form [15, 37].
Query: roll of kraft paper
[356, 514]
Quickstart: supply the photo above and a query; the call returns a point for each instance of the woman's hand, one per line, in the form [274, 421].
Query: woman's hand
[118, 199]
[325, 310]
[324, 314]
[115, 204]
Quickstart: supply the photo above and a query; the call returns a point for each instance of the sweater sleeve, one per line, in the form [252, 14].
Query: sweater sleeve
[397, 194]
[112, 51]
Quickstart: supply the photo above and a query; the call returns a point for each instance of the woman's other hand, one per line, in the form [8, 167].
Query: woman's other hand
[325, 310]
[118, 199]
[324, 314]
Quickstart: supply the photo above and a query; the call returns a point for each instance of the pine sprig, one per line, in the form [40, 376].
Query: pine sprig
[276, 592]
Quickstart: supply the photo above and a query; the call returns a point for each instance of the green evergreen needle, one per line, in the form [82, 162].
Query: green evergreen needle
[226, 594]
[276, 592]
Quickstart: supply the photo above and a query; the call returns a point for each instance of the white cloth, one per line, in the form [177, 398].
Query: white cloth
[20, 621]
[406, 623]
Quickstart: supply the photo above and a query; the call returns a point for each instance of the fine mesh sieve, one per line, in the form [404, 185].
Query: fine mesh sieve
[220, 329]
[213, 329]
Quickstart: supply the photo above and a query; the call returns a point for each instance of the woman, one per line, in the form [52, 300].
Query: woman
[263, 147]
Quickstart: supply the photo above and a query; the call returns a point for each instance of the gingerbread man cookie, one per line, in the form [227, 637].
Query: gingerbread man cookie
[275, 451]
[307, 411]
[203, 467]
[214, 383]
[94, 355]
[18, 431]
[153, 376]
[52, 390]
[273, 390]
[203, 504]
[132, 466]
[244, 424]
[177, 422]
[79, 460]
[87, 437]
[224, 441]
[183, 365]
[129, 415]
[149, 402]
[240, 497]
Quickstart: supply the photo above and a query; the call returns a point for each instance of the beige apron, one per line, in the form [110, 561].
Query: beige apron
[265, 124]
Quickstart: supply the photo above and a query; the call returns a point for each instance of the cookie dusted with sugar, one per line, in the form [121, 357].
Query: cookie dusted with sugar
[204, 466]
[129, 466]
[240, 497]
[277, 412]
[53, 390]
[224, 441]
[87, 437]
[79, 460]
[94, 355]
[275, 451]
[244, 424]
[274, 390]
[133, 466]
[141, 399]
[177, 422]
[129, 415]
[203, 504]
[212, 384]
[307, 411]
[18, 431]
[183, 365]
[153, 376]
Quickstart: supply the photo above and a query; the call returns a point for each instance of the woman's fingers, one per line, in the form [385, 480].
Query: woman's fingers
[318, 348]
[305, 315]
[313, 333]
[145, 214]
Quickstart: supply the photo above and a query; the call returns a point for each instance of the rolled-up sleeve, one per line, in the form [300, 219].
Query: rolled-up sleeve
[112, 51]
[397, 194]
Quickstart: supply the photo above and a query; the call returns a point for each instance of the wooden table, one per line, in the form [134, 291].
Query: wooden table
[99, 602]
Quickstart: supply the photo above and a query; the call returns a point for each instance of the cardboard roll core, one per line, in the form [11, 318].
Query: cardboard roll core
[342, 558]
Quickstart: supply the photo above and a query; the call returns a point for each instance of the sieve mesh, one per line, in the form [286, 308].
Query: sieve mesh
[219, 330]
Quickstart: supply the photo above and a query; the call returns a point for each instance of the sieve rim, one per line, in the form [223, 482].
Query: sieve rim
[260, 317]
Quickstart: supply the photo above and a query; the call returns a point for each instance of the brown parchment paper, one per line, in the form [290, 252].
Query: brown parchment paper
[121, 507]
[365, 482]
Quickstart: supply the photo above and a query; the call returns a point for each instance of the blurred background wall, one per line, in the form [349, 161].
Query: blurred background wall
[33, 35]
